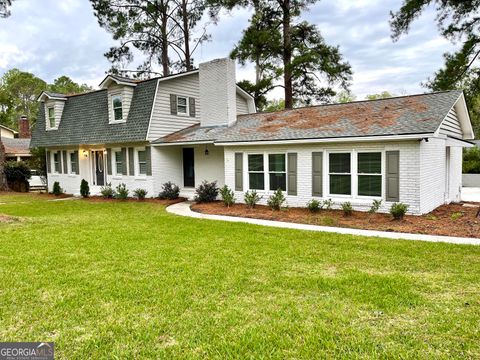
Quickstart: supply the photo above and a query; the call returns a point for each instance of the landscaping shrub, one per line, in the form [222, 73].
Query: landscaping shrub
[107, 191]
[57, 190]
[347, 208]
[398, 210]
[456, 215]
[276, 200]
[140, 194]
[170, 191]
[206, 191]
[121, 192]
[228, 196]
[471, 161]
[314, 205]
[327, 204]
[251, 198]
[375, 206]
[17, 175]
[84, 188]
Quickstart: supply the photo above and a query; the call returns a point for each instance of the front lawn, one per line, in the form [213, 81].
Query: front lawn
[128, 280]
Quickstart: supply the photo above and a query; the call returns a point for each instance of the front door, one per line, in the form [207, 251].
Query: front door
[99, 168]
[188, 168]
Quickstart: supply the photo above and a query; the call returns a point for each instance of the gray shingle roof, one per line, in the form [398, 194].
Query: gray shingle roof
[85, 120]
[16, 146]
[413, 114]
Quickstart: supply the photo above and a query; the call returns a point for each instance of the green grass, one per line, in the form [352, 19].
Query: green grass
[128, 280]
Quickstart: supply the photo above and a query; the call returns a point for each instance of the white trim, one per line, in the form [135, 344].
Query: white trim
[136, 163]
[44, 95]
[169, 77]
[115, 174]
[116, 81]
[187, 106]
[184, 143]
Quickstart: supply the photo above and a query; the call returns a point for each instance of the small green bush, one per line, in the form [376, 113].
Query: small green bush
[206, 192]
[252, 198]
[57, 190]
[314, 206]
[121, 192]
[347, 208]
[375, 206]
[170, 191]
[140, 194]
[84, 188]
[328, 204]
[276, 200]
[228, 196]
[107, 191]
[398, 210]
[456, 215]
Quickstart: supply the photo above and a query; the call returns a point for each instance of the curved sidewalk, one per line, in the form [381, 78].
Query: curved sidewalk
[183, 209]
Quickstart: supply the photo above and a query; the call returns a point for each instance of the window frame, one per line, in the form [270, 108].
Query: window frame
[138, 174]
[187, 106]
[277, 172]
[112, 99]
[59, 162]
[381, 174]
[51, 108]
[351, 173]
[69, 163]
[265, 185]
[114, 162]
[266, 172]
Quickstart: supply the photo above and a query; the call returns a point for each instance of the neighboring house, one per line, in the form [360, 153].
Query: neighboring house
[199, 125]
[16, 145]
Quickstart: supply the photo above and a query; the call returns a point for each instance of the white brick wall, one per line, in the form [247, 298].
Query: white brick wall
[409, 171]
[432, 174]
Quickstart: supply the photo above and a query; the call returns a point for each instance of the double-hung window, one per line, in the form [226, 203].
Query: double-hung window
[51, 117]
[56, 161]
[277, 172]
[340, 176]
[370, 174]
[117, 108]
[142, 162]
[118, 163]
[182, 105]
[256, 174]
[73, 163]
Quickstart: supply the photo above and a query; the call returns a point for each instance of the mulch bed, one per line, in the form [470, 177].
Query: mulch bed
[8, 219]
[447, 220]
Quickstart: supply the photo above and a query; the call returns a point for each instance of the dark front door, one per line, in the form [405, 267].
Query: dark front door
[188, 168]
[99, 168]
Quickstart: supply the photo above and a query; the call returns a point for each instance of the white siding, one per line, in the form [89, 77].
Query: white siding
[451, 126]
[166, 166]
[164, 123]
[242, 105]
[455, 180]
[127, 94]
[5, 133]
[58, 106]
[409, 172]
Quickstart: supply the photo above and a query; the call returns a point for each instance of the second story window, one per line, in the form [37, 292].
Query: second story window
[51, 117]
[117, 108]
[182, 105]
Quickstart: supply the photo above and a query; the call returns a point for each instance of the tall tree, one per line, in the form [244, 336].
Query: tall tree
[156, 28]
[457, 21]
[65, 85]
[310, 68]
[4, 5]
[18, 93]
[382, 95]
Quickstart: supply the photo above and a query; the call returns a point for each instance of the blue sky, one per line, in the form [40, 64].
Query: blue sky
[63, 38]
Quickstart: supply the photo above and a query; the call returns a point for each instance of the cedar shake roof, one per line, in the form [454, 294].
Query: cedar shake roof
[16, 146]
[414, 114]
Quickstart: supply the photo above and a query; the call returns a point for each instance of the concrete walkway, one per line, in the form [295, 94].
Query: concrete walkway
[471, 194]
[183, 209]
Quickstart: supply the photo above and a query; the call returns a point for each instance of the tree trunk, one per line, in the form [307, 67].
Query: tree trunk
[186, 36]
[165, 60]
[287, 55]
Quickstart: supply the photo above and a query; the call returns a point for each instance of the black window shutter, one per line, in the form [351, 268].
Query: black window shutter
[317, 174]
[292, 174]
[148, 158]
[392, 177]
[109, 161]
[124, 162]
[238, 171]
[191, 106]
[173, 104]
[131, 163]
[64, 160]
[49, 162]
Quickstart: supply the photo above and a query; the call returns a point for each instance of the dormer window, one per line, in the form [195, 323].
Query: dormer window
[117, 108]
[182, 105]
[51, 117]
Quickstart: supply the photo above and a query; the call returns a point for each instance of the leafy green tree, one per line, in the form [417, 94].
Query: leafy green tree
[4, 5]
[471, 160]
[344, 96]
[18, 96]
[281, 45]
[155, 28]
[382, 95]
[457, 21]
[275, 105]
[65, 85]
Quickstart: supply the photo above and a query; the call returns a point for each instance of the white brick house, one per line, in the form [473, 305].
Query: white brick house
[199, 125]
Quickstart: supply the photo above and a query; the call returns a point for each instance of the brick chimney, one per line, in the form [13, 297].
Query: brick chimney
[23, 127]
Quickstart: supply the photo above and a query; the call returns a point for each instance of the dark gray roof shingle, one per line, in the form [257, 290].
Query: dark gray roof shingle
[85, 120]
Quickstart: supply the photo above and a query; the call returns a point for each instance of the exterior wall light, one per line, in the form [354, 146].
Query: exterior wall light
[85, 154]
[206, 151]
